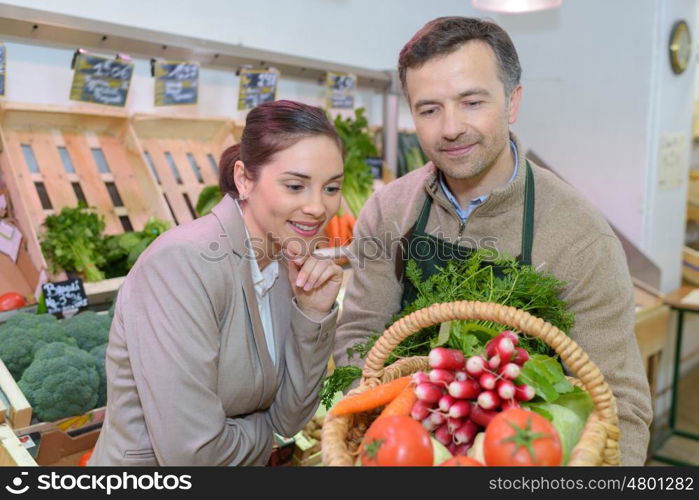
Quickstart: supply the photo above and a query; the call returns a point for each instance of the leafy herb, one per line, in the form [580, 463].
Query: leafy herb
[359, 181]
[123, 250]
[73, 241]
[208, 198]
[340, 380]
[485, 277]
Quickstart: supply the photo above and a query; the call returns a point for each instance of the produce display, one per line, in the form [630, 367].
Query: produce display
[58, 365]
[74, 241]
[359, 181]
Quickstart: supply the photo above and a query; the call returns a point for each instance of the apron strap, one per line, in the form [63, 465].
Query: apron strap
[528, 218]
[424, 215]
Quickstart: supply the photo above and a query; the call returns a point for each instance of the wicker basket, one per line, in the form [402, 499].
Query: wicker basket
[599, 441]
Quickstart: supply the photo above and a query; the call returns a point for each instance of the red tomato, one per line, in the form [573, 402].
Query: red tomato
[461, 461]
[521, 437]
[396, 441]
[12, 300]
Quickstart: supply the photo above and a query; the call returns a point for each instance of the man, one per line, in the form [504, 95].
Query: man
[461, 79]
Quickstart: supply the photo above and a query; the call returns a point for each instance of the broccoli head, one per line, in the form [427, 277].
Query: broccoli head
[22, 334]
[99, 353]
[89, 329]
[62, 381]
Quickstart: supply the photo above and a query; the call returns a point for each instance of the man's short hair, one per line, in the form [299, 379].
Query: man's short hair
[444, 35]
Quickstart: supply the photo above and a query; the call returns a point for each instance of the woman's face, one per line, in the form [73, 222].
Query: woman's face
[294, 197]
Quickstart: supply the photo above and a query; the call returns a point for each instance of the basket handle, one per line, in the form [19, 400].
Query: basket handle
[569, 351]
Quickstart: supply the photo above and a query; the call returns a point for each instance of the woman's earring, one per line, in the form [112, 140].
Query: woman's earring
[242, 197]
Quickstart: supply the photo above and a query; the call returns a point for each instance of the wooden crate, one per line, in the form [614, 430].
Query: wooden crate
[12, 451]
[652, 323]
[183, 154]
[690, 265]
[53, 157]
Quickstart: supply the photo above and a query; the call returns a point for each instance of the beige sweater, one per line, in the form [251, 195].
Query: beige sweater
[572, 241]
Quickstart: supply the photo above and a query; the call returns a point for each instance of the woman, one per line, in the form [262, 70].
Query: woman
[216, 340]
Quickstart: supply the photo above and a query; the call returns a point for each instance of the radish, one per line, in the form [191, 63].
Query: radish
[443, 435]
[521, 356]
[438, 418]
[460, 375]
[453, 424]
[429, 425]
[504, 348]
[510, 335]
[524, 392]
[428, 392]
[466, 433]
[506, 389]
[487, 381]
[421, 410]
[480, 416]
[419, 378]
[509, 371]
[465, 389]
[461, 449]
[460, 409]
[488, 400]
[439, 376]
[445, 402]
[475, 365]
[509, 404]
[494, 362]
[448, 359]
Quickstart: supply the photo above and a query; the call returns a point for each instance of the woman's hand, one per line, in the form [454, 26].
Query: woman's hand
[315, 282]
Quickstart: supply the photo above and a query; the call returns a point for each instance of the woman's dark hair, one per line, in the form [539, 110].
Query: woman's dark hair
[270, 128]
[444, 35]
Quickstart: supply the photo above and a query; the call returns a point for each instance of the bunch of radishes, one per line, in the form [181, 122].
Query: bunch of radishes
[459, 397]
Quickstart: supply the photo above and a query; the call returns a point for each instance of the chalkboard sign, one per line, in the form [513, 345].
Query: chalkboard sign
[376, 164]
[175, 82]
[101, 80]
[340, 90]
[3, 66]
[64, 295]
[257, 86]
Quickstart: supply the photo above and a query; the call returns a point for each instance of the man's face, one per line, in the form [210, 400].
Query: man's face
[460, 110]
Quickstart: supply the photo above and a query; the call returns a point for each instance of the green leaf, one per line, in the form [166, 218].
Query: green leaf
[208, 199]
[546, 376]
[443, 336]
[568, 414]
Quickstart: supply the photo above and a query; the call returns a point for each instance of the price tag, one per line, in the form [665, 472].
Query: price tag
[3, 68]
[64, 296]
[176, 82]
[340, 90]
[101, 80]
[257, 86]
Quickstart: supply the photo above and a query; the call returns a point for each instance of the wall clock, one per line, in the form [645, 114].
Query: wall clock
[680, 47]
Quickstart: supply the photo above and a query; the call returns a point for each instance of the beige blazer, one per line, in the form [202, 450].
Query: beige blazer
[190, 378]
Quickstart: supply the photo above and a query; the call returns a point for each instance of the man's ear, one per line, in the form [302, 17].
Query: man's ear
[515, 98]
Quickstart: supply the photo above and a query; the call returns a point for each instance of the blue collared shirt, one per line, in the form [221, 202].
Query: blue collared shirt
[472, 204]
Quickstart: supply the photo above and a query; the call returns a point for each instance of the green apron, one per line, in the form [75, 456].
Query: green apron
[430, 253]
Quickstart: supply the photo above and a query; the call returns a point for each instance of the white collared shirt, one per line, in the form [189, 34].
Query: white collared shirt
[263, 281]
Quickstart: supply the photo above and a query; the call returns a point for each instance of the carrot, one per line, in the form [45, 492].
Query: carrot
[371, 398]
[402, 404]
[333, 230]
